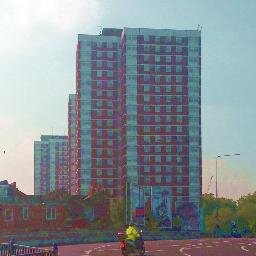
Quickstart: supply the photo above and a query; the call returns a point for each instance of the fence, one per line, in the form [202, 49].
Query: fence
[9, 249]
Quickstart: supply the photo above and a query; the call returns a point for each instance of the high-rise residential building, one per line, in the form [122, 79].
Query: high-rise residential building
[71, 144]
[138, 106]
[50, 164]
[98, 94]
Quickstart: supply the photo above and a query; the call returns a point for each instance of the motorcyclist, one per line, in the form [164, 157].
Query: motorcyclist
[132, 234]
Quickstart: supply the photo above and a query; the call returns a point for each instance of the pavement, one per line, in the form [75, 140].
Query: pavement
[193, 247]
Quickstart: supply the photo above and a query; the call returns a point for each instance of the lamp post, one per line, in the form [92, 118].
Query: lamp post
[216, 175]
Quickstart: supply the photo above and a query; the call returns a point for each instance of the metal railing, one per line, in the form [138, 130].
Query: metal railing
[10, 249]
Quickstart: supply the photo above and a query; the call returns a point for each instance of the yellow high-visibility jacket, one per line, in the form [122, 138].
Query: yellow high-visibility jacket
[132, 233]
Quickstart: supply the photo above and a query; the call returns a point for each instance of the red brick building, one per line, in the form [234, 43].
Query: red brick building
[57, 210]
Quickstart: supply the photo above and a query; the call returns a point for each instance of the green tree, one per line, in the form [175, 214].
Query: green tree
[247, 212]
[117, 212]
[227, 209]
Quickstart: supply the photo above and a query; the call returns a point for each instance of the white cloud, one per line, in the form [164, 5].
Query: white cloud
[21, 20]
[5, 122]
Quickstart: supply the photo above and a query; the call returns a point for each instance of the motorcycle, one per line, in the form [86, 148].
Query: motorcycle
[129, 249]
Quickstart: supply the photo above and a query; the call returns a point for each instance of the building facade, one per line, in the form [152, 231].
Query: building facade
[50, 164]
[138, 106]
[71, 144]
[98, 94]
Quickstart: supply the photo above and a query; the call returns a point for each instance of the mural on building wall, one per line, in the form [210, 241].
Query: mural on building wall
[189, 214]
[161, 205]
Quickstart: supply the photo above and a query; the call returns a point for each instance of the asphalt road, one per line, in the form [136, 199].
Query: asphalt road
[195, 247]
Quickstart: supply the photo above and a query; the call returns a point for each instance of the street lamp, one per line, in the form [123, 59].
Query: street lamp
[219, 156]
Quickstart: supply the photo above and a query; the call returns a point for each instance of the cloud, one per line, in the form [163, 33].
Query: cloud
[6, 122]
[22, 20]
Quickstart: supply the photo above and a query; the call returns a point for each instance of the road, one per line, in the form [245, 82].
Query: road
[195, 247]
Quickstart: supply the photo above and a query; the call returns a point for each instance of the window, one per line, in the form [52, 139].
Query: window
[99, 181]
[146, 88]
[110, 162]
[146, 149]
[157, 99]
[110, 143]
[109, 112]
[109, 93]
[178, 89]
[99, 172]
[99, 152]
[168, 59]
[168, 159]
[157, 109]
[99, 93]
[179, 179]
[109, 103]
[99, 73]
[99, 142]
[157, 119]
[99, 103]
[110, 73]
[50, 213]
[179, 119]
[168, 108]
[178, 68]
[158, 149]
[158, 168]
[110, 172]
[168, 179]
[110, 122]
[146, 159]
[99, 162]
[157, 89]
[99, 123]
[158, 178]
[99, 54]
[168, 69]
[146, 98]
[179, 108]
[157, 58]
[146, 168]
[109, 182]
[146, 108]
[179, 190]
[179, 128]
[168, 89]
[110, 133]
[8, 214]
[146, 129]
[99, 132]
[110, 54]
[178, 49]
[179, 79]
[157, 128]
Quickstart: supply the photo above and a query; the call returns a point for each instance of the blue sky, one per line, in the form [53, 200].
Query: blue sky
[37, 65]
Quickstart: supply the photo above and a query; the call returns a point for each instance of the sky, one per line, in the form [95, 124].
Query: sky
[37, 73]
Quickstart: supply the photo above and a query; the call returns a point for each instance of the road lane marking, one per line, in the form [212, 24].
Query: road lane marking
[184, 248]
[244, 249]
[88, 252]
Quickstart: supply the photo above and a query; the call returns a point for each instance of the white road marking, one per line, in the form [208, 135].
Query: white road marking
[184, 248]
[244, 249]
[208, 245]
[160, 250]
[174, 245]
[88, 252]
[200, 243]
